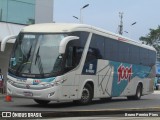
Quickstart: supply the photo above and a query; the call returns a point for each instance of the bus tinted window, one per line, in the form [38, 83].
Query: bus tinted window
[123, 52]
[110, 49]
[82, 38]
[134, 54]
[151, 57]
[143, 56]
[97, 45]
[74, 50]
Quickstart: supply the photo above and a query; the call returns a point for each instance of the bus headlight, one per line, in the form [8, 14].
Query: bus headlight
[48, 85]
[11, 82]
[50, 94]
[58, 82]
[55, 83]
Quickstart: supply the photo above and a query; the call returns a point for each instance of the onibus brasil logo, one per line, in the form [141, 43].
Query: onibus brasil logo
[124, 73]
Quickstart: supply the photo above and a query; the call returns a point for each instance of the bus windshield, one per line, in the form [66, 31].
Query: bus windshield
[36, 55]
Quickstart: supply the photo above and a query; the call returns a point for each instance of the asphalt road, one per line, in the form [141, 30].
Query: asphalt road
[21, 104]
[147, 103]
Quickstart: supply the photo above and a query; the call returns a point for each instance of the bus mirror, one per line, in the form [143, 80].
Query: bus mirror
[4, 41]
[64, 43]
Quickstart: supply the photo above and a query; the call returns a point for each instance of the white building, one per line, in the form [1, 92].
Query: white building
[16, 14]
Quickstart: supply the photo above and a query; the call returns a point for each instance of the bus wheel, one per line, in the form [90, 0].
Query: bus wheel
[138, 94]
[41, 102]
[87, 95]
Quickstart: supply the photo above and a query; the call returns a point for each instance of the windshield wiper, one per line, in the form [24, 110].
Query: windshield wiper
[37, 55]
[29, 53]
[38, 58]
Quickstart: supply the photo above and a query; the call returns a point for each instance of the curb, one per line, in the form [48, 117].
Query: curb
[105, 112]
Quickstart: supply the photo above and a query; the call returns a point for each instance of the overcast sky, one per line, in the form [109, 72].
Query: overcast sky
[105, 14]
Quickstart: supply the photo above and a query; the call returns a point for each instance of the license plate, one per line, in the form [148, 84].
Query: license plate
[28, 94]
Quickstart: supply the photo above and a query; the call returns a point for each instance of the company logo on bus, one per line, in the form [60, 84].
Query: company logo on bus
[36, 81]
[124, 73]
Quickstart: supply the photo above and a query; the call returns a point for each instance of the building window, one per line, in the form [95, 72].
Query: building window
[17, 11]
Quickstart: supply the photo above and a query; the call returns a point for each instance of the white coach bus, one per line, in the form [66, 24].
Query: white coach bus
[57, 62]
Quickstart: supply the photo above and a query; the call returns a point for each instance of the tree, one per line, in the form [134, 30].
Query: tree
[153, 38]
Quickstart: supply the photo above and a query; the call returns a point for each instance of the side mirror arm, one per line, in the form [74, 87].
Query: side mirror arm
[64, 43]
[4, 41]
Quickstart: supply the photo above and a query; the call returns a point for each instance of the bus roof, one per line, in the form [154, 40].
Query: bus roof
[70, 27]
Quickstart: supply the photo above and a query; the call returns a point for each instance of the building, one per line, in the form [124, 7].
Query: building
[16, 14]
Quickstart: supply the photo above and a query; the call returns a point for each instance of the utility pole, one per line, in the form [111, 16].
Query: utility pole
[120, 27]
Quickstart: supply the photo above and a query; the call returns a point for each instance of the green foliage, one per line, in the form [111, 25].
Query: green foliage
[152, 38]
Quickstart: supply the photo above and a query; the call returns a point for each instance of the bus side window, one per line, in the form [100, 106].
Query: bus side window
[69, 58]
[92, 54]
[73, 57]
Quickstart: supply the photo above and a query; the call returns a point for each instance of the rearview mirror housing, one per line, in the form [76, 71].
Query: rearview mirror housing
[64, 43]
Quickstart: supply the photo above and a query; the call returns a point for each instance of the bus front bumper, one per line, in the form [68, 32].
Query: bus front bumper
[51, 93]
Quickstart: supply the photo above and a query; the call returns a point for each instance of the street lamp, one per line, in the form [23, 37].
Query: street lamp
[81, 20]
[76, 18]
[131, 25]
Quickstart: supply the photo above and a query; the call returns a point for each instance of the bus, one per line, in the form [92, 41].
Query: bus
[157, 78]
[78, 62]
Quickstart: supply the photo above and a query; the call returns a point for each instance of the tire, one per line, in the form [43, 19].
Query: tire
[157, 87]
[138, 94]
[87, 95]
[41, 102]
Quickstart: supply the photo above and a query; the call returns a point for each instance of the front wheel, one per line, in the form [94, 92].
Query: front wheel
[87, 95]
[41, 102]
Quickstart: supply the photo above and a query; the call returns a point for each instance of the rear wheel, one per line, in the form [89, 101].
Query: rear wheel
[41, 102]
[87, 95]
[138, 94]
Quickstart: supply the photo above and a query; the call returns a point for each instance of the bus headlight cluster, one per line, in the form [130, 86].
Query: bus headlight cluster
[50, 94]
[11, 82]
[58, 82]
[48, 85]
[55, 83]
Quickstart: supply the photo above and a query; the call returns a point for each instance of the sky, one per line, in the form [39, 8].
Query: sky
[105, 14]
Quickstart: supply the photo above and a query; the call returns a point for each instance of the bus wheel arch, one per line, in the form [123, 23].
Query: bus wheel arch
[87, 93]
[138, 94]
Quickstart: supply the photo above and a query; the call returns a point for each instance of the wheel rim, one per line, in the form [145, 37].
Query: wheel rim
[85, 95]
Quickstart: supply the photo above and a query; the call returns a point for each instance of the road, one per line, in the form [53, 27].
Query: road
[147, 103]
